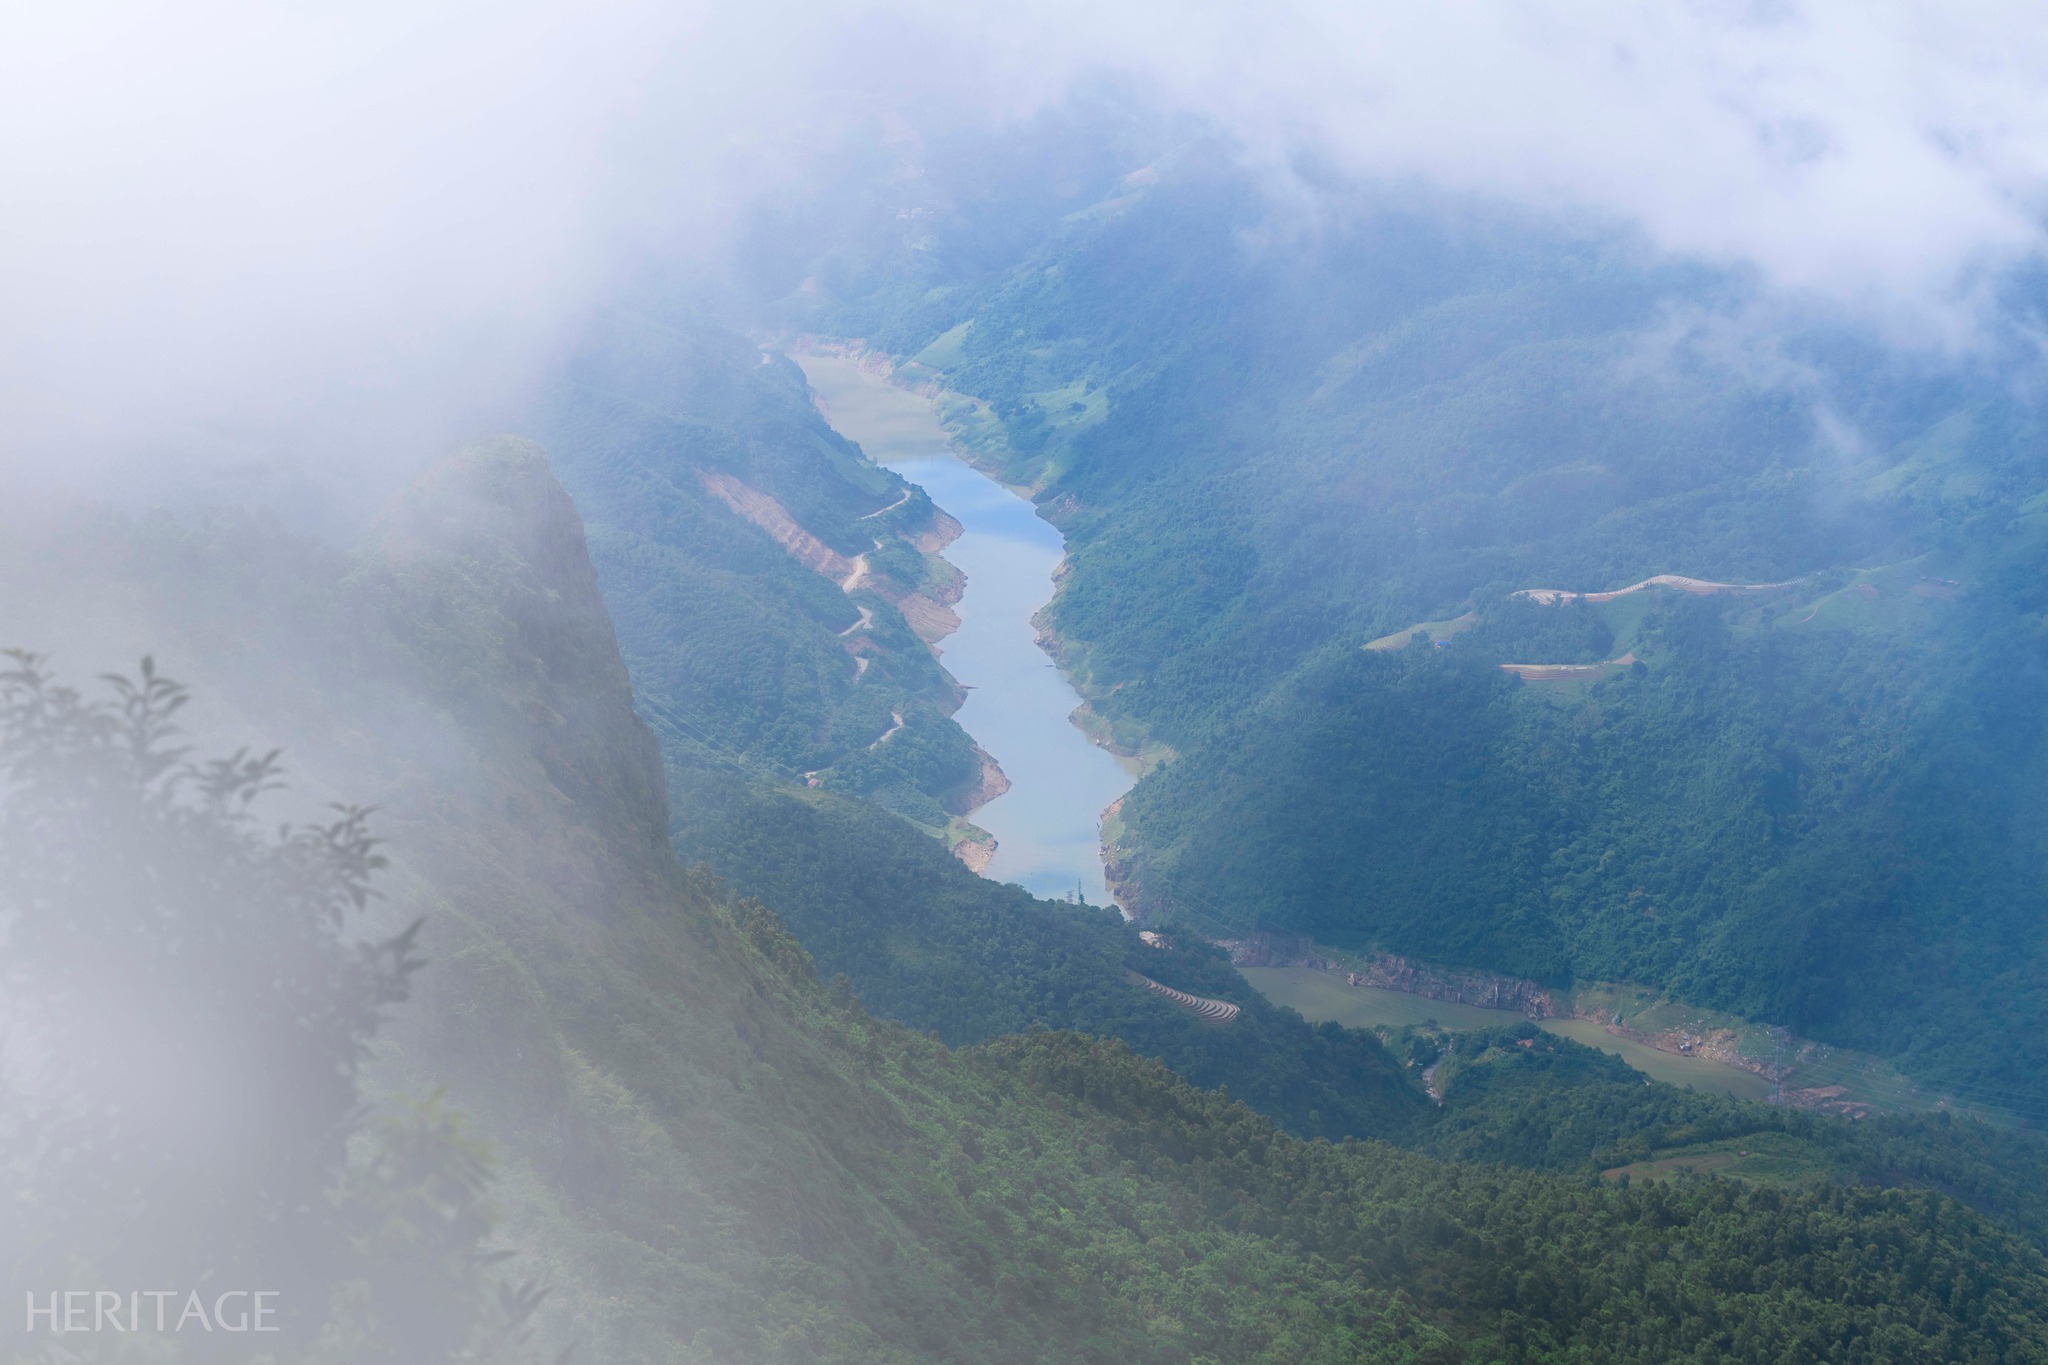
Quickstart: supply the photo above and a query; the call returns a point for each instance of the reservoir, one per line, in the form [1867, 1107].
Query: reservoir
[1048, 826]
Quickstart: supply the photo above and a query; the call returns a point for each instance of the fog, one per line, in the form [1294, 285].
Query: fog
[288, 254]
[250, 240]
[261, 232]
[1885, 156]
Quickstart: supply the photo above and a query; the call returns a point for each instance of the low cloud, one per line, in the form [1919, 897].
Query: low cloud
[288, 236]
[262, 236]
[1887, 157]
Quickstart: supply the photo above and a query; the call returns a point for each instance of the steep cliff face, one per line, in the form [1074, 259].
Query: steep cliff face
[695, 1150]
[481, 573]
[702, 1154]
[702, 1151]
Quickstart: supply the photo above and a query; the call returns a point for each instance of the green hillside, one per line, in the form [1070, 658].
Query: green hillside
[1821, 811]
[922, 941]
[556, 559]
[707, 1153]
[751, 657]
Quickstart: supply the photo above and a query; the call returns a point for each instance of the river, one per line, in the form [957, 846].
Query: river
[1048, 826]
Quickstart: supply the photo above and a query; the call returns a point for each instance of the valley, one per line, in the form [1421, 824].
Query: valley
[1046, 822]
[1094, 685]
[715, 1104]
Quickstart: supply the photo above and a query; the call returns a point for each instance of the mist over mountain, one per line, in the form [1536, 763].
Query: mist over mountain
[245, 213]
[1551, 515]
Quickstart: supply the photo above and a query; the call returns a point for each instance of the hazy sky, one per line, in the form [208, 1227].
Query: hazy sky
[356, 223]
[1879, 153]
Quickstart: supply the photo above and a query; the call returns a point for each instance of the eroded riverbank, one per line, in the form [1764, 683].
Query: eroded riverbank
[1664, 1038]
[1047, 824]
[1325, 996]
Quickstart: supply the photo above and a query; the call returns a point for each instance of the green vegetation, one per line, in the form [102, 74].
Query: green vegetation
[1817, 820]
[187, 1017]
[1700, 1270]
[1319, 995]
[1521, 1096]
[746, 656]
[968, 1138]
[924, 941]
[1652, 1023]
[705, 1151]
[1820, 810]
[921, 941]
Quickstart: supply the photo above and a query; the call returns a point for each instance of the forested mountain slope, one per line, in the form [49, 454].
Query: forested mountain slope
[1273, 437]
[923, 942]
[711, 1155]
[770, 585]
[710, 622]
[926, 942]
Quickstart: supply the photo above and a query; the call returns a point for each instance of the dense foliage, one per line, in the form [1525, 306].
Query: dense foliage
[187, 1006]
[706, 1151]
[1272, 441]
[1569, 1269]
[1523, 1097]
[924, 941]
[1786, 823]
[920, 940]
[748, 656]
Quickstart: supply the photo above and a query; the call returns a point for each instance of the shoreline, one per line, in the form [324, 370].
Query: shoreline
[1135, 759]
[1773, 1055]
[1848, 1084]
[974, 846]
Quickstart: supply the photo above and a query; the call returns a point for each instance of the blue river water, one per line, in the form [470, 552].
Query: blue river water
[1048, 826]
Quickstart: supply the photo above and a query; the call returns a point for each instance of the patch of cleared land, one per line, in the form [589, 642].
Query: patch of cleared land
[1322, 996]
[1435, 630]
[1697, 1073]
[947, 351]
[1623, 608]
[1698, 586]
[926, 608]
[771, 516]
[1896, 596]
[1768, 1158]
[1567, 672]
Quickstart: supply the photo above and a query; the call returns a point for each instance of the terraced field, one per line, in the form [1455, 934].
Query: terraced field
[1215, 1011]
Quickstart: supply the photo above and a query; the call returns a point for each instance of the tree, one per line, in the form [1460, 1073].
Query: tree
[185, 1004]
